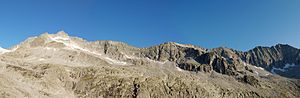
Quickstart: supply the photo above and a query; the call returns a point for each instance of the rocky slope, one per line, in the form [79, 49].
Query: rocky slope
[57, 65]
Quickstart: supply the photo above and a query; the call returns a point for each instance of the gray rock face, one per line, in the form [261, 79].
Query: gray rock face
[276, 59]
[57, 65]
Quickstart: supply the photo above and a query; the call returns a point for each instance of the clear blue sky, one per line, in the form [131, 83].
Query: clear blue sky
[239, 24]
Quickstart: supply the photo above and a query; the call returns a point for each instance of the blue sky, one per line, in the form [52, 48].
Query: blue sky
[238, 24]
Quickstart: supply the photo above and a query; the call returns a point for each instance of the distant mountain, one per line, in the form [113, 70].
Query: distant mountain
[58, 65]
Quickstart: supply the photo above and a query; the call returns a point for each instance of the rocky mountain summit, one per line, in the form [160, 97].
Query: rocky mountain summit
[58, 65]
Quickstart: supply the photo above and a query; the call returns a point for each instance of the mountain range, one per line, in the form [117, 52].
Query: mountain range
[59, 65]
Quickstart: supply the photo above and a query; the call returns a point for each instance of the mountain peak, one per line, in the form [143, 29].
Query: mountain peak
[61, 33]
[45, 34]
[283, 45]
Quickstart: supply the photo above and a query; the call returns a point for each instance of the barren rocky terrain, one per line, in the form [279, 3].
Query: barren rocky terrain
[61, 66]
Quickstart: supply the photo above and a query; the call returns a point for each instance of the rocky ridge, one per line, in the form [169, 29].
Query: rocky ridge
[56, 65]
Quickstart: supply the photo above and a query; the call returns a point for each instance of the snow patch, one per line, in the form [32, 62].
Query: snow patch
[244, 63]
[288, 65]
[256, 73]
[41, 59]
[128, 57]
[259, 68]
[279, 69]
[49, 48]
[159, 62]
[112, 61]
[2, 50]
[182, 45]
[224, 58]
[67, 42]
[179, 69]
[61, 38]
[284, 69]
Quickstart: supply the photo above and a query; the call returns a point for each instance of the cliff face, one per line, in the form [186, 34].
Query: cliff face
[56, 65]
[280, 59]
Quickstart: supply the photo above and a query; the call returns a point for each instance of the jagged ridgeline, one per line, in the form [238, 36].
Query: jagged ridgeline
[58, 65]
